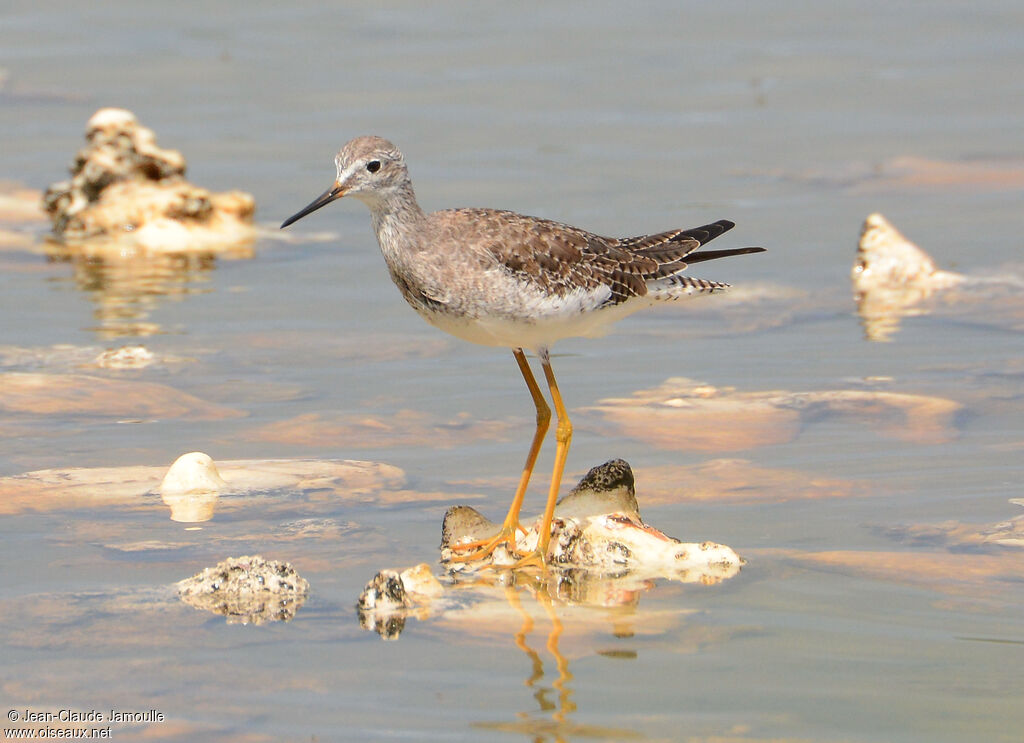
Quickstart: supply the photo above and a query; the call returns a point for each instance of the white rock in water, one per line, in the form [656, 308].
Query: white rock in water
[194, 472]
[885, 258]
[892, 277]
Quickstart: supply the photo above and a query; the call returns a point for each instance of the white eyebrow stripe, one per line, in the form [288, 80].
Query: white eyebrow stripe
[343, 174]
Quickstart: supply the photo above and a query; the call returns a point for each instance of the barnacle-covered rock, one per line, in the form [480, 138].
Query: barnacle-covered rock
[247, 590]
[393, 595]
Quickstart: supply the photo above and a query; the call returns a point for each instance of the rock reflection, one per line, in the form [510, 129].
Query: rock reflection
[191, 508]
[127, 287]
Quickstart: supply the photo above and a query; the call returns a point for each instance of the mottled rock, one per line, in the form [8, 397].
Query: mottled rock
[392, 595]
[601, 555]
[597, 528]
[126, 192]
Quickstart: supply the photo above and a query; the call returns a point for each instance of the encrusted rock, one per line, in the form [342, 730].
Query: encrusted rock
[597, 528]
[247, 590]
[601, 554]
[392, 595]
[126, 190]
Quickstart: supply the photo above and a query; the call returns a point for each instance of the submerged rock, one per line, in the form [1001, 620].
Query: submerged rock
[126, 192]
[274, 484]
[965, 536]
[686, 414]
[247, 590]
[40, 394]
[19, 204]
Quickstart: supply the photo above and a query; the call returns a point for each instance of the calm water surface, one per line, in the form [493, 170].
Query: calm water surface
[845, 625]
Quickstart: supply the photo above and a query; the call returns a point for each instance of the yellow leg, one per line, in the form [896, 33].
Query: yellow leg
[563, 435]
[507, 534]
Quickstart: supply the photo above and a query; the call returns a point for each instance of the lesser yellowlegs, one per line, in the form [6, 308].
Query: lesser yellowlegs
[504, 279]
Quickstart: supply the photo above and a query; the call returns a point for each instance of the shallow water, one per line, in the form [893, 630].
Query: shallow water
[849, 622]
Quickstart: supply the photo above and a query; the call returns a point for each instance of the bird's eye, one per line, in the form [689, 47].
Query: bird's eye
[373, 166]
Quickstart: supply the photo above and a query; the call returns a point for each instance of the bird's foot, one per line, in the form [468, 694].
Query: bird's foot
[481, 549]
[533, 560]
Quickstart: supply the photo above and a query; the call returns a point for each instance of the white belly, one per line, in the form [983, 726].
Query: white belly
[534, 335]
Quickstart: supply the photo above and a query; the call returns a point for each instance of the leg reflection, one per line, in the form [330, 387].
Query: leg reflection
[559, 710]
[565, 703]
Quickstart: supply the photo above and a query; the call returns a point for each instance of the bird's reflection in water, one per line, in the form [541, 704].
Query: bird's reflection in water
[126, 287]
[525, 606]
[603, 558]
[565, 705]
[553, 691]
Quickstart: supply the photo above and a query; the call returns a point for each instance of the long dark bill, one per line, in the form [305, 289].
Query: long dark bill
[331, 194]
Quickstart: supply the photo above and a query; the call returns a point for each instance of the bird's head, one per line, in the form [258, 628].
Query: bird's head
[368, 168]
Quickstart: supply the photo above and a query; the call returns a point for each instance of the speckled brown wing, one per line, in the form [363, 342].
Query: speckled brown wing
[558, 258]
